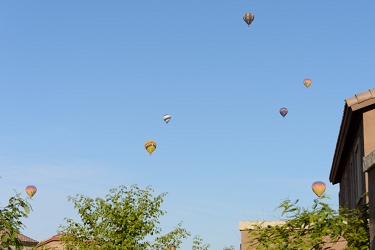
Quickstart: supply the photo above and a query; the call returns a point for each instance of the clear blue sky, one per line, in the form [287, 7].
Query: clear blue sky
[83, 84]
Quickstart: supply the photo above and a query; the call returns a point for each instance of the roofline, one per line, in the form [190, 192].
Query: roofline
[56, 237]
[352, 104]
[244, 225]
[340, 143]
[23, 238]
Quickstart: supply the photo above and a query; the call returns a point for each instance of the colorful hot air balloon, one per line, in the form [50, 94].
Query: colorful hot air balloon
[150, 146]
[30, 190]
[248, 18]
[307, 82]
[166, 118]
[283, 111]
[318, 187]
[171, 247]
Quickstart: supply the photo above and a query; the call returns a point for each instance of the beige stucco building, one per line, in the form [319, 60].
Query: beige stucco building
[243, 226]
[51, 243]
[354, 158]
[353, 165]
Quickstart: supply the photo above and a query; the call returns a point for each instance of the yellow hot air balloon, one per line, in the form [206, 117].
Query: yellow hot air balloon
[307, 82]
[30, 190]
[150, 146]
[318, 187]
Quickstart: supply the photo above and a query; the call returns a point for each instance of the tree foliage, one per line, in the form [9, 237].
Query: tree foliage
[229, 248]
[313, 228]
[198, 244]
[124, 219]
[10, 221]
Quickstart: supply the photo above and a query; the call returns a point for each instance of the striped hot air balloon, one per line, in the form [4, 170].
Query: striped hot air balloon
[166, 118]
[283, 112]
[30, 190]
[307, 82]
[150, 146]
[318, 187]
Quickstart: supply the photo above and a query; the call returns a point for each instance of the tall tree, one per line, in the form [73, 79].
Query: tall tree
[10, 221]
[124, 219]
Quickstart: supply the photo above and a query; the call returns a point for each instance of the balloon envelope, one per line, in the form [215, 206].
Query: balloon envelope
[166, 118]
[307, 82]
[318, 187]
[30, 190]
[150, 146]
[283, 111]
[248, 18]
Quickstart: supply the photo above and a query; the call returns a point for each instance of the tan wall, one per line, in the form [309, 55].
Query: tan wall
[24, 248]
[369, 131]
[245, 245]
[369, 167]
[249, 224]
[369, 145]
[51, 245]
[371, 177]
[348, 178]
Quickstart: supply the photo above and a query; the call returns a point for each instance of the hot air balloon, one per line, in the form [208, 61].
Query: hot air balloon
[171, 247]
[283, 111]
[248, 18]
[318, 187]
[150, 146]
[307, 82]
[30, 190]
[166, 118]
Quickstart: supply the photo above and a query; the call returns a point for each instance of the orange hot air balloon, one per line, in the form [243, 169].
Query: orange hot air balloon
[30, 190]
[318, 187]
[307, 82]
[150, 146]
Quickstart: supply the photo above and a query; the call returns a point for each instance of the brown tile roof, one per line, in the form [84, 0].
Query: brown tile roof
[22, 238]
[50, 239]
[358, 98]
[351, 105]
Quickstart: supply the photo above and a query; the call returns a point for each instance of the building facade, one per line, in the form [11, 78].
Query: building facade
[244, 226]
[51, 243]
[352, 165]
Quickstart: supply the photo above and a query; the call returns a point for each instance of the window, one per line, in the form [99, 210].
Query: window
[359, 169]
[356, 174]
[353, 183]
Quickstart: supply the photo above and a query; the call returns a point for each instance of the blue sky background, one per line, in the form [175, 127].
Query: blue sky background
[83, 84]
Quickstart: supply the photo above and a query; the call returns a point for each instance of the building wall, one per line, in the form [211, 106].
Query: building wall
[245, 245]
[54, 245]
[369, 167]
[24, 248]
[353, 181]
[358, 123]
[51, 243]
[248, 224]
[369, 131]
[369, 146]
[371, 179]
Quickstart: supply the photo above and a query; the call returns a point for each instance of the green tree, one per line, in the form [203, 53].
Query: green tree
[307, 228]
[229, 248]
[124, 219]
[10, 221]
[198, 244]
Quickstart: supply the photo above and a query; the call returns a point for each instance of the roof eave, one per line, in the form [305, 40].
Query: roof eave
[343, 132]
